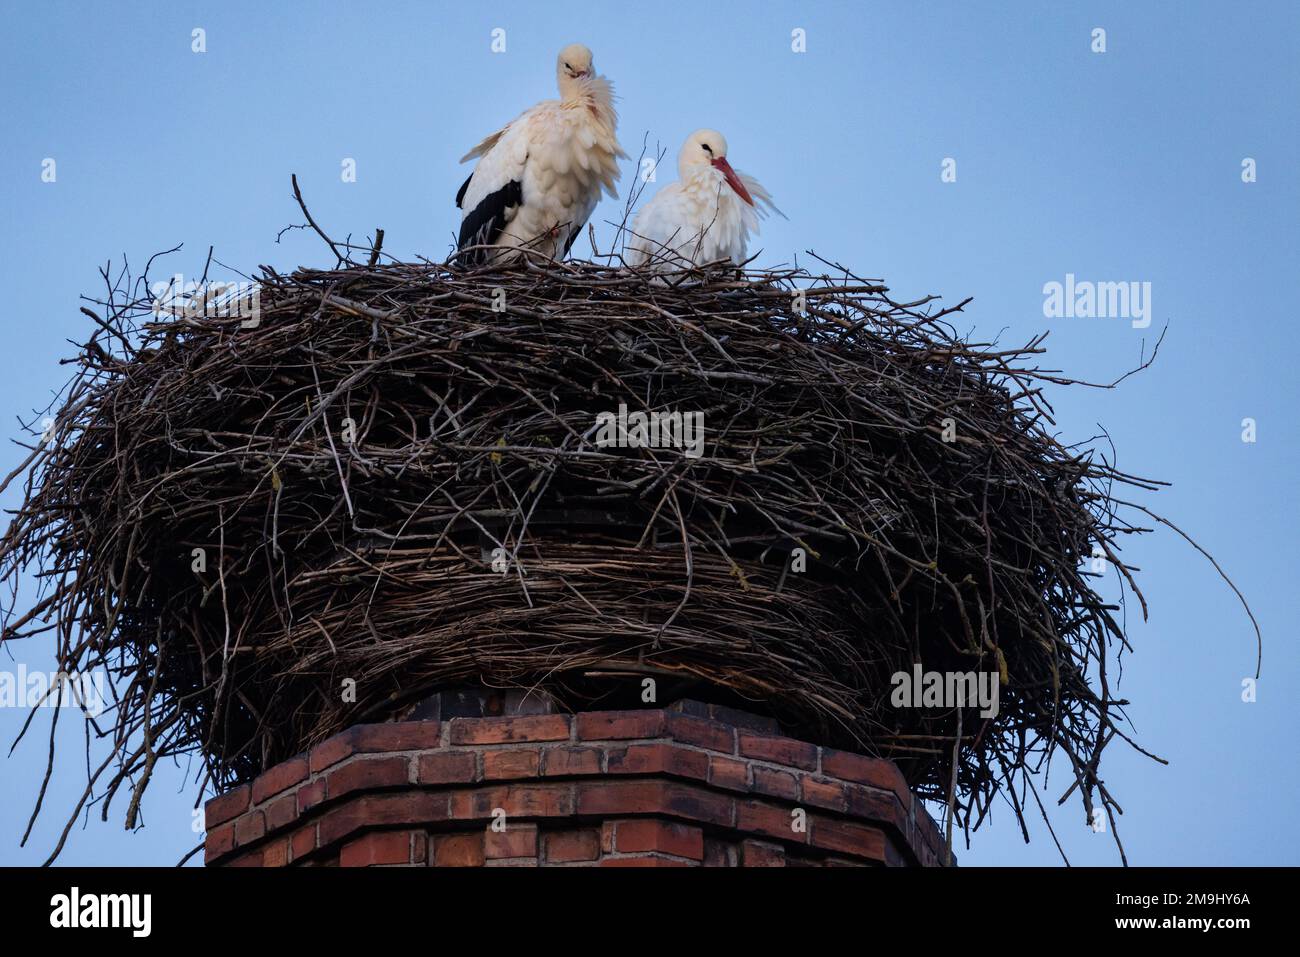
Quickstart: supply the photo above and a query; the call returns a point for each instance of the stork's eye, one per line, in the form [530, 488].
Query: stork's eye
[707, 147]
[567, 67]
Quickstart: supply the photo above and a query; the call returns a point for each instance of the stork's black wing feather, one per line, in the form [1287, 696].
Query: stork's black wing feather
[568, 243]
[483, 224]
[460, 193]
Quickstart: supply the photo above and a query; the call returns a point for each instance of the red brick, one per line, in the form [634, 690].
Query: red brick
[541, 727]
[728, 773]
[379, 847]
[894, 856]
[517, 800]
[642, 860]
[224, 807]
[718, 853]
[332, 750]
[636, 759]
[281, 812]
[249, 828]
[397, 736]
[219, 840]
[699, 804]
[779, 750]
[651, 797]
[517, 840]
[618, 725]
[539, 800]
[864, 770]
[658, 758]
[760, 854]
[701, 733]
[669, 837]
[406, 807]
[510, 764]
[373, 810]
[927, 831]
[743, 719]
[557, 761]
[342, 821]
[820, 792]
[849, 837]
[446, 767]
[458, 850]
[303, 841]
[251, 859]
[566, 847]
[284, 775]
[367, 774]
[420, 847]
[276, 853]
[759, 818]
[686, 763]
[620, 797]
[310, 794]
[875, 805]
[479, 803]
[781, 784]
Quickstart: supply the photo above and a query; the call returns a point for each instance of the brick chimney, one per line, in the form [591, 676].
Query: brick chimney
[689, 785]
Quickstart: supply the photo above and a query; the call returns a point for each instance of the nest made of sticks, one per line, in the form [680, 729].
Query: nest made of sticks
[237, 521]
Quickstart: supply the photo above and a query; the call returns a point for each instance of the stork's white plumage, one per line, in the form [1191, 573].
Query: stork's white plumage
[539, 178]
[705, 216]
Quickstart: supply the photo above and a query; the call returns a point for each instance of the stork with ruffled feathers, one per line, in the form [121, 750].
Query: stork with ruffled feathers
[539, 178]
[707, 215]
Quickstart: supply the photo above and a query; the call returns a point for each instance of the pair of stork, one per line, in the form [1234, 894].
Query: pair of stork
[538, 179]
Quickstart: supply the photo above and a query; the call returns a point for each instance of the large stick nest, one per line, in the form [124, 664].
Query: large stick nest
[942, 522]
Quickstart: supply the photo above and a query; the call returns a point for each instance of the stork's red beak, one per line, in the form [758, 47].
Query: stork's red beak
[733, 180]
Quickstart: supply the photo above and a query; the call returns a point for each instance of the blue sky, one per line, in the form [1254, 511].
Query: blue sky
[1115, 166]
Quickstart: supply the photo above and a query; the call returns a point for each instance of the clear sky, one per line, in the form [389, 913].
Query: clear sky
[1117, 166]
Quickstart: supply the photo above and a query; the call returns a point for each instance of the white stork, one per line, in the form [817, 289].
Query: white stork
[705, 216]
[540, 176]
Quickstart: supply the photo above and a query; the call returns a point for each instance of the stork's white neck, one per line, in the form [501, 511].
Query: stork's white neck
[700, 176]
[584, 88]
[570, 88]
[593, 95]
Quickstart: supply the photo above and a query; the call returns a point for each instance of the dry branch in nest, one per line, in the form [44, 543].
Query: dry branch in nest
[357, 468]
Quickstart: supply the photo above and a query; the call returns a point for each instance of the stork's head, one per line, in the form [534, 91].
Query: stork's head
[707, 149]
[573, 63]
